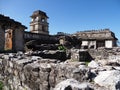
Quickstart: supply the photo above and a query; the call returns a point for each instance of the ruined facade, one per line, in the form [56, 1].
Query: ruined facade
[97, 38]
[39, 22]
[70, 41]
[13, 37]
[11, 34]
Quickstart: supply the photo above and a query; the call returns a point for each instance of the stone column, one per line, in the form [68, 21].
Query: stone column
[19, 39]
[2, 39]
[95, 45]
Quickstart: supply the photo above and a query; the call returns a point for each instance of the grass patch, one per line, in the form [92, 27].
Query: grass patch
[1, 85]
[61, 47]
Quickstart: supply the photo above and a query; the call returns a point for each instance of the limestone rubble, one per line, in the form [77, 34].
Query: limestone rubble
[23, 71]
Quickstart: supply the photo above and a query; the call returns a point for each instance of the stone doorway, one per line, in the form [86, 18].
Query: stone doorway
[101, 43]
[11, 35]
[8, 39]
[85, 56]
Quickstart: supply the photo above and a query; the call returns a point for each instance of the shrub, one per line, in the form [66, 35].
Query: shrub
[61, 47]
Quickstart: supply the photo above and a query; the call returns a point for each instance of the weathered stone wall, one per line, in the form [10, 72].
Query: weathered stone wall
[104, 33]
[97, 38]
[99, 54]
[80, 55]
[20, 72]
[51, 54]
[18, 39]
[40, 38]
[103, 53]
[2, 39]
[94, 54]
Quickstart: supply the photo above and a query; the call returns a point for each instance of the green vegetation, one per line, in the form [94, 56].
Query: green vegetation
[61, 47]
[1, 85]
[87, 62]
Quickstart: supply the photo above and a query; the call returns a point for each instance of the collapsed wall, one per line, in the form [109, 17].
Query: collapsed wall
[95, 54]
[11, 35]
[104, 53]
[21, 72]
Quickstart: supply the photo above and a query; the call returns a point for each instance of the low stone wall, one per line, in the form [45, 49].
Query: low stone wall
[51, 54]
[103, 53]
[21, 72]
[95, 54]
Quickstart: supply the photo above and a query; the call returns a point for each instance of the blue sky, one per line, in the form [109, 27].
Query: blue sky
[67, 16]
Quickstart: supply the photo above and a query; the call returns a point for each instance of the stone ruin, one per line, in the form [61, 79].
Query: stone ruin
[22, 71]
[55, 62]
[39, 35]
[94, 39]
[14, 38]
[11, 34]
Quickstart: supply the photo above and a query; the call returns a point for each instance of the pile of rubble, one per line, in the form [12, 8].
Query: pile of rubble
[24, 71]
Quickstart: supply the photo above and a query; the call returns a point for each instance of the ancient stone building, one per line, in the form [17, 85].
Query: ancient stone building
[70, 41]
[97, 38]
[11, 34]
[13, 37]
[39, 22]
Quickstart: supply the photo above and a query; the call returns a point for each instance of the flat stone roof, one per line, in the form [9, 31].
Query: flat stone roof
[103, 34]
[7, 20]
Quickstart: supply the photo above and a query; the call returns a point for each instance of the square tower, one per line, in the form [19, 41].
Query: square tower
[39, 22]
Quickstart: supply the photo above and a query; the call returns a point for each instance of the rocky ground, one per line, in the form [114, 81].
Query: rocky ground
[24, 71]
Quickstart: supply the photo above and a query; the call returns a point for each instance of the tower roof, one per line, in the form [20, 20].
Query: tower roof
[39, 12]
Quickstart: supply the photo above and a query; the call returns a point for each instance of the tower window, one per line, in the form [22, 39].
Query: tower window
[37, 18]
[43, 20]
